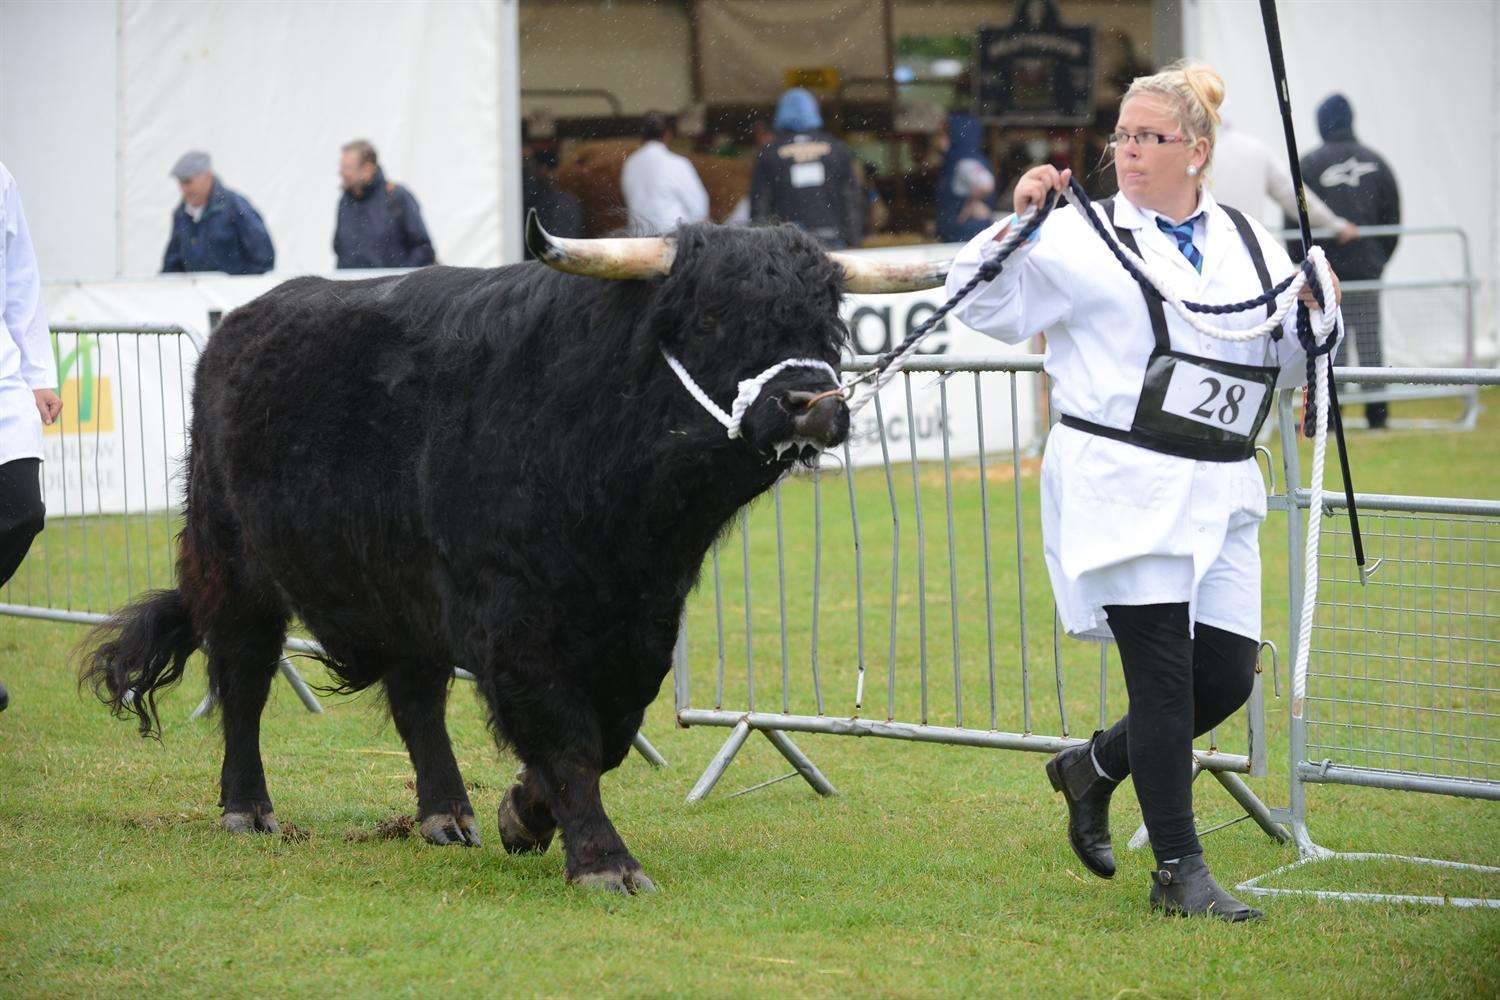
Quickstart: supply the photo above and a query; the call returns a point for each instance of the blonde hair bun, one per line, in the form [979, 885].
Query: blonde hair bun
[1207, 87]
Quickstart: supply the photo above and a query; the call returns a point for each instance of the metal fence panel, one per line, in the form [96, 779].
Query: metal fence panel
[908, 600]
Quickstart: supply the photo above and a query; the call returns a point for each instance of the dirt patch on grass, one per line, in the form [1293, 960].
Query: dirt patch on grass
[397, 827]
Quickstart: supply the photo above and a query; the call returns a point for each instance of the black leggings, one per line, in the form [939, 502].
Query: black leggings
[1179, 687]
[21, 512]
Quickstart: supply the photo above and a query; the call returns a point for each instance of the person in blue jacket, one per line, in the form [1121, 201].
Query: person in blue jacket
[966, 187]
[214, 228]
[379, 221]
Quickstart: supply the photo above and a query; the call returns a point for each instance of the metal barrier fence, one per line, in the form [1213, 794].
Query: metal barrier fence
[1403, 683]
[111, 481]
[1438, 304]
[907, 601]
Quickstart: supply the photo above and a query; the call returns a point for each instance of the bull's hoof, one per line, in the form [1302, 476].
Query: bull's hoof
[515, 836]
[450, 828]
[257, 819]
[624, 883]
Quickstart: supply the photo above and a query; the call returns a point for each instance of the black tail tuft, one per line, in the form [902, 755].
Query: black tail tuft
[140, 650]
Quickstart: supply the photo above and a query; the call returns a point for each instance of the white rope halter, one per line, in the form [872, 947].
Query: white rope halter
[749, 389]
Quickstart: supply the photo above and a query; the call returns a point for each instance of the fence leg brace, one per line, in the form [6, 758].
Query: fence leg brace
[784, 745]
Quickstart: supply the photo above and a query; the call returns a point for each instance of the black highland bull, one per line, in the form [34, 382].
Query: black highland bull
[488, 468]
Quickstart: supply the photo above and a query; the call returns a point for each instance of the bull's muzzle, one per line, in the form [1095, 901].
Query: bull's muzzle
[818, 416]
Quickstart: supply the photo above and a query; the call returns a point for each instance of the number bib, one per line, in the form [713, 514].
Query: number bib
[1203, 405]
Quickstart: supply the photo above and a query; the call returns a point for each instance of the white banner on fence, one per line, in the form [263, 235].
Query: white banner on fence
[878, 323]
[121, 439]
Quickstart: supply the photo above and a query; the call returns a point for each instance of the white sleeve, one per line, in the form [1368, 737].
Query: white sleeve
[1020, 303]
[25, 320]
[1279, 187]
[693, 194]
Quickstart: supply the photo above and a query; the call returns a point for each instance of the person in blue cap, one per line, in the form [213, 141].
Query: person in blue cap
[807, 177]
[1359, 185]
[966, 187]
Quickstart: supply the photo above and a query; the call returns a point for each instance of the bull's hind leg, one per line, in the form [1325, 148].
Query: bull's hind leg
[418, 701]
[243, 654]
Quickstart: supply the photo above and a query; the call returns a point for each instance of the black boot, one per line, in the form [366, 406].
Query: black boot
[1186, 888]
[4, 698]
[1087, 793]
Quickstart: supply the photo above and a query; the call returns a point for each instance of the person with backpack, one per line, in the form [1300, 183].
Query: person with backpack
[379, 221]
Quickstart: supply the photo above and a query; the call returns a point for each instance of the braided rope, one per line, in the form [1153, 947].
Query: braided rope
[749, 389]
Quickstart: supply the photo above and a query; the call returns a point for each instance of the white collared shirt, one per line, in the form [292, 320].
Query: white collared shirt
[26, 361]
[661, 190]
[1123, 525]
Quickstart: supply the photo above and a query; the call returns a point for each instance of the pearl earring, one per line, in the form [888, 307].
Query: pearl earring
[1192, 170]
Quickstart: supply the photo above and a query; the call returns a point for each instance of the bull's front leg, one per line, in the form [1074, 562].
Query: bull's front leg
[526, 820]
[596, 856]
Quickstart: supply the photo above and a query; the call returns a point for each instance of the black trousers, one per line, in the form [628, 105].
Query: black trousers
[21, 512]
[1362, 318]
[1180, 686]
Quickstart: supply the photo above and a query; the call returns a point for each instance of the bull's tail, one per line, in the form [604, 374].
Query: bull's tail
[140, 650]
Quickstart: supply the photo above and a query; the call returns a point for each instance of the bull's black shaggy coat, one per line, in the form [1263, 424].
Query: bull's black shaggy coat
[488, 468]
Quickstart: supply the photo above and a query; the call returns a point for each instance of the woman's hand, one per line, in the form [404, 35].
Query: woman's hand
[1034, 184]
[47, 404]
[1306, 295]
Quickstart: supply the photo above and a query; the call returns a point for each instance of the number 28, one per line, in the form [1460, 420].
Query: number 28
[1230, 411]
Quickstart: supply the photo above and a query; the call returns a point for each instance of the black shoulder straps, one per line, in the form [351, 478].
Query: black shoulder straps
[1153, 298]
[1257, 257]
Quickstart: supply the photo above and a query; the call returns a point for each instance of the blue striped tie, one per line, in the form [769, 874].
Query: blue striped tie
[1183, 234]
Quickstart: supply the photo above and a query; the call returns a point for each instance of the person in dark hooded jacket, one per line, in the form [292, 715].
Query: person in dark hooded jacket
[966, 187]
[379, 222]
[807, 177]
[1359, 185]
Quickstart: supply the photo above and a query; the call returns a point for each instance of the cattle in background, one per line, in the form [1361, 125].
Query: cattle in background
[490, 468]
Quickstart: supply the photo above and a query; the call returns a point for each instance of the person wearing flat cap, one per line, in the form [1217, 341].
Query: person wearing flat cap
[214, 228]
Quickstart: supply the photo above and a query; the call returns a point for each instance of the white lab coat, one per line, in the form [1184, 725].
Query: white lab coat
[26, 361]
[661, 190]
[1121, 524]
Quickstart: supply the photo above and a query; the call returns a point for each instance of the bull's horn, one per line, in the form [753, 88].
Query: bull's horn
[636, 257]
[865, 276]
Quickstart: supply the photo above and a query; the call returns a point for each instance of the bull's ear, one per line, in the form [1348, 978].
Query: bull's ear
[635, 257]
[868, 276]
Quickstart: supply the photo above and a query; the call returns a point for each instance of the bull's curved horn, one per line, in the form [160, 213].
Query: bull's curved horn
[636, 257]
[866, 276]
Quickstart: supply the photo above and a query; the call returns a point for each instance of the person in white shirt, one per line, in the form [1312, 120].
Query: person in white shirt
[661, 189]
[1151, 497]
[1247, 172]
[28, 387]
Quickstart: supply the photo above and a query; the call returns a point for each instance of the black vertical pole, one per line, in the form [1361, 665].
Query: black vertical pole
[1284, 99]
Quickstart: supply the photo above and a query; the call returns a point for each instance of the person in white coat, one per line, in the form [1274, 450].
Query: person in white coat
[1151, 497]
[661, 188]
[28, 387]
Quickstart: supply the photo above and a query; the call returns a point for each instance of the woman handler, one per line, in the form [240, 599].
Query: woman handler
[1151, 497]
[28, 380]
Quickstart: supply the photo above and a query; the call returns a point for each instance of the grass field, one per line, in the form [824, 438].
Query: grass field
[937, 871]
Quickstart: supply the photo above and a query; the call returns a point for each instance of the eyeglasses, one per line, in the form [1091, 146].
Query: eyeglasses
[1118, 139]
